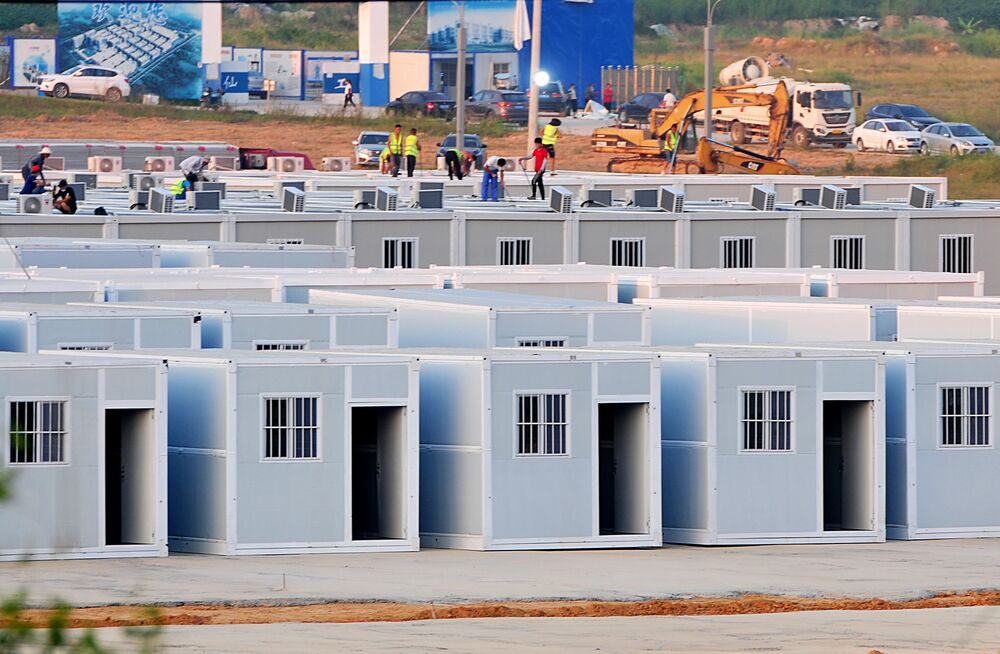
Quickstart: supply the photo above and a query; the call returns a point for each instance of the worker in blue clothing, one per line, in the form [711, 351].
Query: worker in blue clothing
[492, 177]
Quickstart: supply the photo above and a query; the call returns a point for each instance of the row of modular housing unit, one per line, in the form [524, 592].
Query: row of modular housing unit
[372, 447]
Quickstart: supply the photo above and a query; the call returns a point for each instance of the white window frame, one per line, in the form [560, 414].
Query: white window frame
[964, 416]
[398, 241]
[264, 397]
[513, 241]
[85, 346]
[626, 241]
[541, 439]
[847, 238]
[944, 238]
[280, 345]
[542, 341]
[741, 419]
[723, 240]
[66, 431]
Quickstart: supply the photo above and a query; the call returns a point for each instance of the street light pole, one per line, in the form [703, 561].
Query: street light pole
[460, 80]
[536, 56]
[709, 64]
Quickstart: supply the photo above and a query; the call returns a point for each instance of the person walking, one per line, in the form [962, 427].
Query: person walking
[549, 135]
[541, 156]
[609, 97]
[34, 168]
[412, 151]
[571, 100]
[492, 177]
[669, 100]
[396, 148]
[348, 94]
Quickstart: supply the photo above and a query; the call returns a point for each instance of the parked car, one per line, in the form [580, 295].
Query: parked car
[637, 109]
[508, 106]
[954, 138]
[551, 98]
[473, 144]
[422, 103]
[911, 113]
[368, 148]
[91, 81]
[889, 135]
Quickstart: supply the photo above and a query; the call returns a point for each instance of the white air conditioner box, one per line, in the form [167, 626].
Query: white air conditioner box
[223, 163]
[104, 164]
[286, 164]
[158, 164]
[41, 203]
[336, 164]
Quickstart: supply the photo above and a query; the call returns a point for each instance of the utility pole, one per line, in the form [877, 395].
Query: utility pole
[536, 56]
[709, 64]
[460, 80]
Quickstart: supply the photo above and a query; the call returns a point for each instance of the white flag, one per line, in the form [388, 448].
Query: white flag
[522, 30]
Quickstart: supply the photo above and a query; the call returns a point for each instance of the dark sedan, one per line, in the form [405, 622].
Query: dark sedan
[637, 109]
[508, 106]
[422, 103]
[911, 113]
[551, 99]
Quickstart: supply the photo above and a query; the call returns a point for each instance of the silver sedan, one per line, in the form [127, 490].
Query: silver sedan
[954, 138]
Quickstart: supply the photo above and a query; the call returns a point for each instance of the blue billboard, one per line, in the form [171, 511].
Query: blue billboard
[489, 26]
[156, 44]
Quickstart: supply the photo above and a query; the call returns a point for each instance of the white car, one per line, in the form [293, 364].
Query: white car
[886, 134]
[92, 81]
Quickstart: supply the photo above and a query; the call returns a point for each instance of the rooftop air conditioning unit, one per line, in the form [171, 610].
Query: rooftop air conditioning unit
[336, 164]
[55, 163]
[430, 199]
[598, 198]
[218, 187]
[79, 190]
[280, 186]
[922, 197]
[832, 197]
[762, 197]
[671, 199]
[204, 200]
[364, 198]
[642, 197]
[223, 163]
[430, 186]
[853, 195]
[4, 191]
[158, 164]
[41, 203]
[104, 164]
[561, 200]
[141, 182]
[293, 199]
[806, 197]
[161, 200]
[257, 160]
[386, 199]
[87, 179]
[286, 164]
[138, 199]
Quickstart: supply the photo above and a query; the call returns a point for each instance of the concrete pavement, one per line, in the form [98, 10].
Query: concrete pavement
[893, 570]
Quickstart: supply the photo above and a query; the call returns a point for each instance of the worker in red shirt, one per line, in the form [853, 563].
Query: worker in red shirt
[541, 156]
[609, 97]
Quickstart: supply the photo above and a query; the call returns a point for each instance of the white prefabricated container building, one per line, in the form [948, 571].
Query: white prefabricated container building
[962, 321]
[33, 327]
[85, 439]
[292, 452]
[67, 253]
[255, 255]
[467, 318]
[539, 449]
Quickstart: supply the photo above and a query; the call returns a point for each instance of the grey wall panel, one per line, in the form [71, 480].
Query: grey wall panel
[766, 493]
[564, 483]
[880, 240]
[51, 229]
[55, 507]
[166, 332]
[481, 240]
[429, 326]
[685, 486]
[451, 483]
[618, 327]
[155, 294]
[850, 376]
[196, 486]
[512, 325]
[210, 230]
[451, 403]
[197, 406]
[119, 331]
[355, 330]
[380, 381]
[957, 488]
[313, 232]
[684, 399]
[623, 378]
[13, 333]
[313, 328]
[596, 235]
[434, 244]
[122, 384]
[896, 482]
[575, 290]
[925, 245]
[769, 243]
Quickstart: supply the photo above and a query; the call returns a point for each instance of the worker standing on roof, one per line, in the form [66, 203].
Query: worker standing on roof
[396, 148]
[412, 152]
[540, 155]
[549, 135]
[193, 168]
[35, 168]
[492, 177]
[670, 141]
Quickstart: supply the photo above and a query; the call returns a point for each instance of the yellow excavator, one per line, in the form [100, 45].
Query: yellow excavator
[645, 149]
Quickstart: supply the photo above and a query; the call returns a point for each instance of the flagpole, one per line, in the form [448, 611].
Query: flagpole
[536, 55]
[460, 80]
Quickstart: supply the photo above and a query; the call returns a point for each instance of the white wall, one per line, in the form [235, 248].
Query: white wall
[408, 71]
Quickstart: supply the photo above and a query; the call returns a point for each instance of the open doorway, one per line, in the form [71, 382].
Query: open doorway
[378, 472]
[623, 471]
[848, 465]
[130, 476]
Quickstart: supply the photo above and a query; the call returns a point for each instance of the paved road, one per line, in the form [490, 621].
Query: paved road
[891, 570]
[891, 632]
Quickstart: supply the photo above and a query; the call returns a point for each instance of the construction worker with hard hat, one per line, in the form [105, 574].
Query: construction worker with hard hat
[549, 135]
[412, 151]
[395, 148]
[670, 141]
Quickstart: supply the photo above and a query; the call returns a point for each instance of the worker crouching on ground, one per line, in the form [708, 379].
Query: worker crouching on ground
[549, 135]
[64, 198]
[670, 141]
[34, 170]
[458, 163]
[180, 188]
[193, 168]
[385, 161]
[540, 155]
[492, 177]
[412, 152]
[395, 148]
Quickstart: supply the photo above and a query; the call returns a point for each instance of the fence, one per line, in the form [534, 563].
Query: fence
[629, 81]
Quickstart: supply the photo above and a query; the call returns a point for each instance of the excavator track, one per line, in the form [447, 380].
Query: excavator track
[651, 166]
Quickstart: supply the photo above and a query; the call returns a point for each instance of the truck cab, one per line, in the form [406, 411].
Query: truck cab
[822, 113]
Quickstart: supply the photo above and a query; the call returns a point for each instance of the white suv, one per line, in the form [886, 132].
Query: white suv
[94, 81]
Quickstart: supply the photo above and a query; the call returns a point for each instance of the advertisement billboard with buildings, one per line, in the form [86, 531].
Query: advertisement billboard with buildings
[285, 68]
[30, 59]
[489, 25]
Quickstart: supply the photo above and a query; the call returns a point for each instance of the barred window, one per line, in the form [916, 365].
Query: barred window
[513, 251]
[541, 342]
[267, 346]
[767, 421]
[965, 415]
[291, 428]
[37, 431]
[956, 253]
[630, 252]
[399, 253]
[737, 251]
[847, 252]
[541, 424]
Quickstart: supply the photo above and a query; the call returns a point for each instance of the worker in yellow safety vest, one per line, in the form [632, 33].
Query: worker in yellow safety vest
[412, 152]
[396, 149]
[549, 135]
[670, 141]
